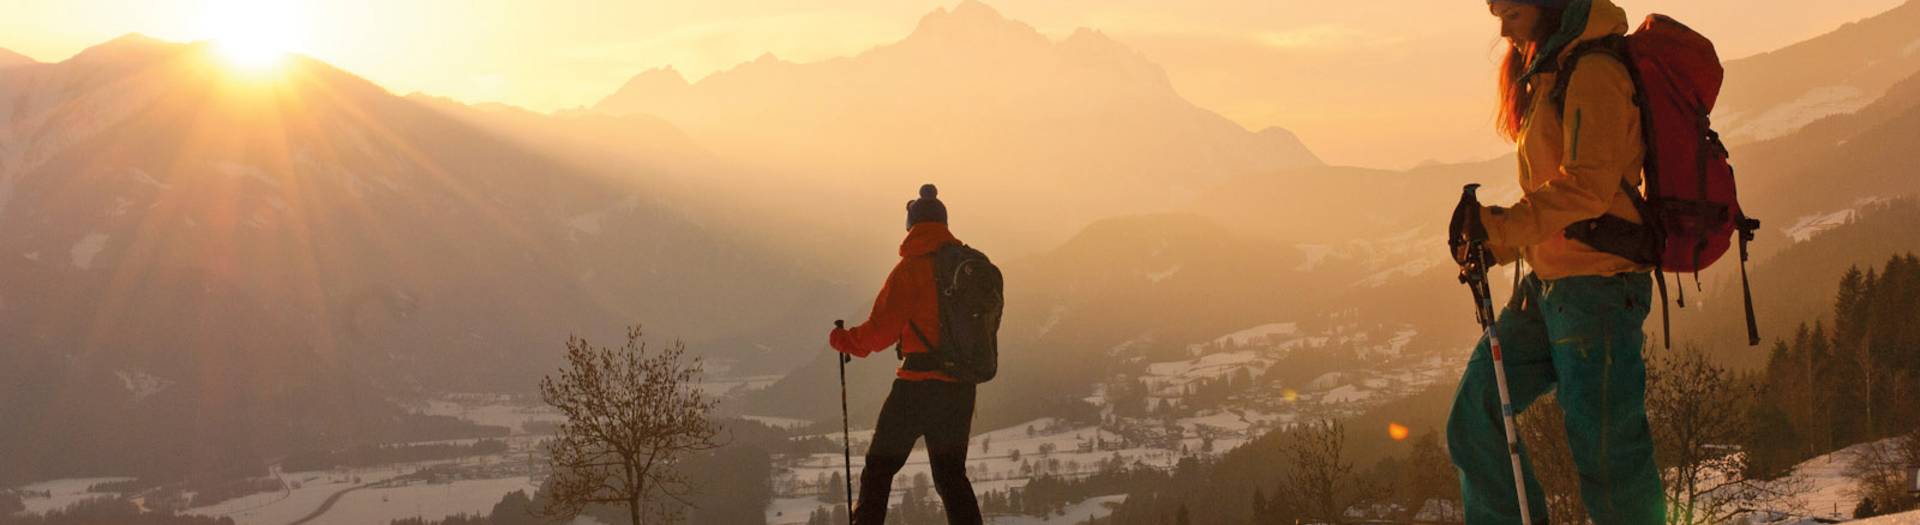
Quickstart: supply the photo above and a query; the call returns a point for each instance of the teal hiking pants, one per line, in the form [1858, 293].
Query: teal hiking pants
[1580, 337]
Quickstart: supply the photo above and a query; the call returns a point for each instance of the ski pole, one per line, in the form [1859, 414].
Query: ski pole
[846, 434]
[1473, 273]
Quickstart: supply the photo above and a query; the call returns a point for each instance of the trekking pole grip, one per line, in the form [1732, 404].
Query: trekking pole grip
[1458, 227]
[842, 324]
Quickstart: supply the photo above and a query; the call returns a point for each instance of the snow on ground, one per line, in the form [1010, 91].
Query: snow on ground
[1807, 227]
[990, 462]
[61, 493]
[1398, 345]
[1208, 366]
[383, 505]
[1081, 512]
[1781, 120]
[1155, 442]
[491, 410]
[1830, 490]
[84, 251]
[1264, 333]
[1328, 381]
[306, 492]
[778, 422]
[1346, 394]
[1810, 226]
[728, 386]
[1218, 421]
[363, 495]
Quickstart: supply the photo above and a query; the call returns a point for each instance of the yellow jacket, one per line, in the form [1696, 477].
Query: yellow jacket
[1571, 166]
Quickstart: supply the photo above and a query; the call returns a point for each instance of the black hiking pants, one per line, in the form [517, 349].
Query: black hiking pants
[943, 413]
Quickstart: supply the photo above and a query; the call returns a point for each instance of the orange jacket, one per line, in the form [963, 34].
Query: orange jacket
[907, 296]
[1572, 162]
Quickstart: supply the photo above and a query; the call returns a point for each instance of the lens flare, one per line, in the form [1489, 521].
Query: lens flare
[253, 35]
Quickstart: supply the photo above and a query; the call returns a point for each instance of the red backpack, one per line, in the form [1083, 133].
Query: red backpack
[1689, 206]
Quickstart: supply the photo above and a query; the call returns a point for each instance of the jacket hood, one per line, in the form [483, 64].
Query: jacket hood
[1584, 20]
[925, 238]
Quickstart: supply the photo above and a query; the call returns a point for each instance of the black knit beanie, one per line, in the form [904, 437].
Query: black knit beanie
[927, 208]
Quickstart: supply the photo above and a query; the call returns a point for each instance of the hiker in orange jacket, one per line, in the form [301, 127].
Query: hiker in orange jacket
[922, 403]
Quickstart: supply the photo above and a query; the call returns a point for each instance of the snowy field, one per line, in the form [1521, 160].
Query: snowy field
[1007, 458]
[381, 505]
[785, 423]
[1830, 496]
[990, 464]
[1076, 514]
[494, 410]
[360, 496]
[61, 493]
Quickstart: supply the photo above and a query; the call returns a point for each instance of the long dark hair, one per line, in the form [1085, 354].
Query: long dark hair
[1516, 95]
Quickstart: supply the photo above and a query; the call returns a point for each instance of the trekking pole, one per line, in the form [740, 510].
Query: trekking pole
[1473, 273]
[846, 434]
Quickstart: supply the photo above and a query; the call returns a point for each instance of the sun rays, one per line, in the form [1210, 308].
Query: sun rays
[253, 35]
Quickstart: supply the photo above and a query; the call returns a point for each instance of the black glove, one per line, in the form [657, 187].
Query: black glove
[840, 332]
[1465, 232]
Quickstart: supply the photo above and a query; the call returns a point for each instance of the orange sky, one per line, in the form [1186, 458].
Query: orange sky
[1341, 74]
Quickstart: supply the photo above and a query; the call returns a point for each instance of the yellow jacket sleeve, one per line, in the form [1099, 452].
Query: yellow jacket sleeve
[1601, 130]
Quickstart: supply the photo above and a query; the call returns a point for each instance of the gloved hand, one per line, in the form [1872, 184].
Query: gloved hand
[841, 340]
[1465, 231]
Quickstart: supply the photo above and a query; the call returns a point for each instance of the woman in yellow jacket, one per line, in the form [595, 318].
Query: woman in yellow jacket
[1574, 324]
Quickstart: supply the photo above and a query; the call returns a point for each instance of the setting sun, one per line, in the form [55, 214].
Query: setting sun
[253, 35]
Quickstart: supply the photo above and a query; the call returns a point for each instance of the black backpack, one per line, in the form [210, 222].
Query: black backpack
[970, 298]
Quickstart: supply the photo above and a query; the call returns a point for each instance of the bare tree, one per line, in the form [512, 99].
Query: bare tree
[1880, 472]
[1433, 479]
[631, 417]
[1698, 416]
[1321, 483]
[1544, 430]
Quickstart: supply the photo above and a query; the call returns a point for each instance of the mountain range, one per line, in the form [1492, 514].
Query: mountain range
[216, 250]
[1068, 130]
[1773, 94]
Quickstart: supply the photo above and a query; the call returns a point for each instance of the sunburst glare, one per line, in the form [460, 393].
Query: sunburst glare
[256, 34]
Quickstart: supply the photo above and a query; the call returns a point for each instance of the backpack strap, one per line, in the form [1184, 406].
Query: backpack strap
[919, 362]
[1747, 227]
[1637, 242]
[923, 361]
[1643, 245]
[1612, 45]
